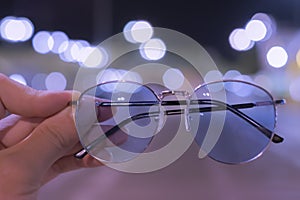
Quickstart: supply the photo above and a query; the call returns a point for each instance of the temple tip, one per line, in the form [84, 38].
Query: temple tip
[277, 139]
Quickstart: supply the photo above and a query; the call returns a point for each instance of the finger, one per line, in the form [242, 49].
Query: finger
[89, 113]
[7, 123]
[25, 101]
[16, 128]
[50, 141]
[2, 110]
[104, 112]
[69, 163]
[2, 146]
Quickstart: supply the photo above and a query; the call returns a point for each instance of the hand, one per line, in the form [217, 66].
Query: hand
[37, 140]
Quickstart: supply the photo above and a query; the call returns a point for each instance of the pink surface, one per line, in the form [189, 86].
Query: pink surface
[275, 175]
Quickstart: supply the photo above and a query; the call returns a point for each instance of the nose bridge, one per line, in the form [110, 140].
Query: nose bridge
[186, 95]
[166, 93]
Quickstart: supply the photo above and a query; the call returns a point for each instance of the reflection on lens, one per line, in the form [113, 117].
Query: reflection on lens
[239, 141]
[132, 109]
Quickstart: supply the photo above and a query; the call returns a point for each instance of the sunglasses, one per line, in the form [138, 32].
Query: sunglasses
[117, 121]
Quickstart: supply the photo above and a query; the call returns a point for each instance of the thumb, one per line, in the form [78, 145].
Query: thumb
[51, 140]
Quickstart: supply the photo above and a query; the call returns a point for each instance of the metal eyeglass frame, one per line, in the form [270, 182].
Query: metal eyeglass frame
[213, 105]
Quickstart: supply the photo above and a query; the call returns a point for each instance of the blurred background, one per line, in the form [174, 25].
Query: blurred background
[44, 43]
[255, 38]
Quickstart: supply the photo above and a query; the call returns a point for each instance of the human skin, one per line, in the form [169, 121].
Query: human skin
[37, 139]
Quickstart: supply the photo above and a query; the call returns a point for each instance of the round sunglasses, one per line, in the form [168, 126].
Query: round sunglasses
[117, 121]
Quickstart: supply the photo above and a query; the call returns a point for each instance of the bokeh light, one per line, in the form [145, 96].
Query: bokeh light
[268, 22]
[113, 74]
[173, 78]
[75, 50]
[213, 75]
[94, 57]
[127, 31]
[259, 28]
[107, 75]
[42, 42]
[38, 81]
[59, 39]
[153, 49]
[244, 77]
[138, 31]
[29, 28]
[231, 74]
[239, 40]
[56, 81]
[256, 30]
[19, 78]
[15, 29]
[241, 90]
[126, 75]
[65, 51]
[294, 89]
[78, 50]
[277, 57]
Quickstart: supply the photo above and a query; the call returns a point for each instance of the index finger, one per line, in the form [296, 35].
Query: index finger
[25, 101]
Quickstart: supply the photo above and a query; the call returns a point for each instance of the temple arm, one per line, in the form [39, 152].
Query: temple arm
[214, 106]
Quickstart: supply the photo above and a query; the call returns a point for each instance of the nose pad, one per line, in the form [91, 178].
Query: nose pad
[162, 111]
[187, 117]
[161, 118]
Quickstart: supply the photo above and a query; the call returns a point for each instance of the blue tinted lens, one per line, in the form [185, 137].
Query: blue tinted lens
[129, 125]
[239, 141]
